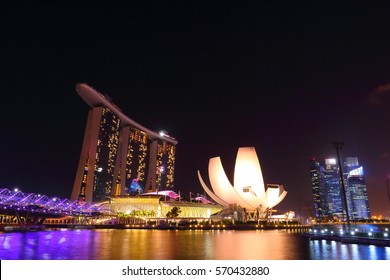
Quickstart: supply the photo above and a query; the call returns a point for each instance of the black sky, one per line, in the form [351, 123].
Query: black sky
[285, 77]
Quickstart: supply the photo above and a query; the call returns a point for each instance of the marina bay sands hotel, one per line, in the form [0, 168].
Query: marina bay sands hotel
[119, 155]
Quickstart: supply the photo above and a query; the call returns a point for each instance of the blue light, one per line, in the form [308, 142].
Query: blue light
[357, 172]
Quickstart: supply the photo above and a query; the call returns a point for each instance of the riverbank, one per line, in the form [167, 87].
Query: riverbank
[368, 234]
[159, 227]
[350, 239]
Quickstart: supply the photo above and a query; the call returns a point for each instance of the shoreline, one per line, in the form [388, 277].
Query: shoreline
[350, 239]
[155, 227]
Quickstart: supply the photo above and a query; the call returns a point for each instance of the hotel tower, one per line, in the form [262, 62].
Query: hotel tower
[119, 155]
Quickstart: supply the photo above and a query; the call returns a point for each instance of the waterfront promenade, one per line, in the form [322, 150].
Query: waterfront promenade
[163, 226]
[369, 234]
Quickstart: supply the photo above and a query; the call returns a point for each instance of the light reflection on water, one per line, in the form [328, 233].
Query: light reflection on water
[332, 250]
[133, 244]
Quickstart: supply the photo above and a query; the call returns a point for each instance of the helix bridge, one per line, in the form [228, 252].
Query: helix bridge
[20, 203]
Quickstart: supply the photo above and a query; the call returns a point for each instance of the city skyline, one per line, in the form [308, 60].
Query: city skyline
[328, 190]
[285, 78]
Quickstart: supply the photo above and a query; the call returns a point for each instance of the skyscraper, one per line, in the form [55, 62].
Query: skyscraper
[327, 191]
[356, 191]
[118, 153]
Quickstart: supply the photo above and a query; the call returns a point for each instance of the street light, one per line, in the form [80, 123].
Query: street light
[338, 146]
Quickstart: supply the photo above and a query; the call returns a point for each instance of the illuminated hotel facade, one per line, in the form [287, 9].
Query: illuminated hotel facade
[326, 189]
[118, 154]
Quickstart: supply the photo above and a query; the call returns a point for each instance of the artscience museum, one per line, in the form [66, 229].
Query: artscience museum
[248, 196]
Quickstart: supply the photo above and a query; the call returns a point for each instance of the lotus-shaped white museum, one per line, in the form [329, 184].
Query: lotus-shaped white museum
[249, 190]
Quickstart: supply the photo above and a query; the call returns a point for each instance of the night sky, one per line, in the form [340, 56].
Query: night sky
[288, 78]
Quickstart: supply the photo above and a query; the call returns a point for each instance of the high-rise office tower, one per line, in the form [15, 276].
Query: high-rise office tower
[357, 198]
[118, 155]
[325, 183]
[318, 189]
[327, 191]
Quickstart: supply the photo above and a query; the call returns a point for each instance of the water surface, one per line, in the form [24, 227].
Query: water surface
[138, 244]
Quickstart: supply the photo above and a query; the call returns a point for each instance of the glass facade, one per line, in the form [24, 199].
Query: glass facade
[326, 189]
[318, 189]
[332, 193]
[357, 191]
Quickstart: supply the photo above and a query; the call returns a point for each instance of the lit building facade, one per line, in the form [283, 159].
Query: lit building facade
[159, 206]
[318, 188]
[357, 197]
[118, 153]
[326, 189]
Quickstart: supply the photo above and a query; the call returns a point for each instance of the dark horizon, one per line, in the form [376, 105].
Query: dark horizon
[286, 78]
